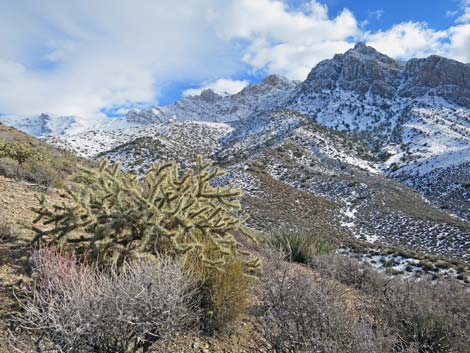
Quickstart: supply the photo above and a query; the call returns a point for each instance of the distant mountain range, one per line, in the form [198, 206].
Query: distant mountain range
[362, 133]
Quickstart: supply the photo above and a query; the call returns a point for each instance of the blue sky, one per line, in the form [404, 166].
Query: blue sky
[395, 11]
[102, 57]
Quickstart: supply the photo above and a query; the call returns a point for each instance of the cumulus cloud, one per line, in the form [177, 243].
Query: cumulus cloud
[80, 57]
[284, 41]
[465, 17]
[407, 40]
[222, 86]
[86, 57]
[458, 46]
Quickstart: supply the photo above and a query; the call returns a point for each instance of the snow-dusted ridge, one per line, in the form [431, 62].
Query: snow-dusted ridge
[360, 111]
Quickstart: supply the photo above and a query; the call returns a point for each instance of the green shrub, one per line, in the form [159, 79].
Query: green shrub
[225, 296]
[20, 152]
[300, 246]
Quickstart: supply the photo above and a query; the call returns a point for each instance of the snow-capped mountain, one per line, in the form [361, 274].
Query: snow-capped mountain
[359, 136]
[210, 106]
[47, 125]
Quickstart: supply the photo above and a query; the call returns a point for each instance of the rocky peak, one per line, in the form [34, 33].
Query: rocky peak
[142, 116]
[438, 76]
[361, 49]
[43, 116]
[276, 81]
[271, 83]
[360, 69]
[363, 69]
[209, 95]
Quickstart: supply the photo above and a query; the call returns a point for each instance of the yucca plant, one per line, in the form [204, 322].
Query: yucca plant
[300, 246]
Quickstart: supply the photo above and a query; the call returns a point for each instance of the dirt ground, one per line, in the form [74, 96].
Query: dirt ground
[16, 200]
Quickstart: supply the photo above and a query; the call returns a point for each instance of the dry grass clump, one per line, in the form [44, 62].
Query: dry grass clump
[6, 232]
[226, 296]
[75, 307]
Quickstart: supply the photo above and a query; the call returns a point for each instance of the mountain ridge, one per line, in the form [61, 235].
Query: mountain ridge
[358, 124]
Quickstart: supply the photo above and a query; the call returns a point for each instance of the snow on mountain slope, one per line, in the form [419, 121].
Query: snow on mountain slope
[93, 143]
[210, 106]
[356, 120]
[46, 125]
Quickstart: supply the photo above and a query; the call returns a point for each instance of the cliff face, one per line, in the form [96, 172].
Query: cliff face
[438, 76]
[363, 69]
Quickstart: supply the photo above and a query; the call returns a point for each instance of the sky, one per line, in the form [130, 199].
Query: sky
[95, 58]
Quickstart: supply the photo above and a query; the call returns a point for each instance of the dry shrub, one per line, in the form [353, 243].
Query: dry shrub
[6, 232]
[76, 308]
[426, 316]
[350, 272]
[423, 315]
[300, 314]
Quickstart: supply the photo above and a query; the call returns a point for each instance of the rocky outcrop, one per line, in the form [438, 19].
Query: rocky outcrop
[361, 69]
[439, 76]
[144, 116]
[364, 70]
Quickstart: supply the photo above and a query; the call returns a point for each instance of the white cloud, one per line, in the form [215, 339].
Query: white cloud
[465, 17]
[451, 13]
[407, 40]
[78, 57]
[377, 14]
[83, 56]
[282, 40]
[221, 86]
[459, 43]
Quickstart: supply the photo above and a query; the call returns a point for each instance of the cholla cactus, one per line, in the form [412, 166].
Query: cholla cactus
[112, 215]
[19, 152]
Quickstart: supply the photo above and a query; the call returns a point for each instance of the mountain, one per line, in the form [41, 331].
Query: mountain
[210, 106]
[46, 125]
[367, 147]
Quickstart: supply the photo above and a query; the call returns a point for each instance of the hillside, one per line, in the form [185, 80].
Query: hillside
[38, 162]
[298, 178]
[383, 145]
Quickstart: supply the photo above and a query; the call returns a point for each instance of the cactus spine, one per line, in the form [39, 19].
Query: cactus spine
[112, 215]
